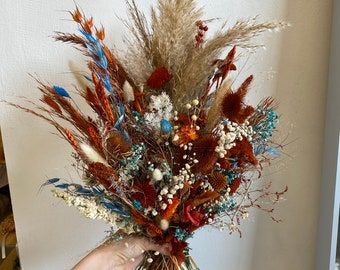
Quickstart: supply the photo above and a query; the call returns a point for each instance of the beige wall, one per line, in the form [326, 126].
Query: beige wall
[52, 236]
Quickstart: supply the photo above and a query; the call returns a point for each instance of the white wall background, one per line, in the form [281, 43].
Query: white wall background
[53, 236]
[327, 251]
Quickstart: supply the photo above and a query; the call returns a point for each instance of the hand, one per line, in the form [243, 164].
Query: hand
[126, 254]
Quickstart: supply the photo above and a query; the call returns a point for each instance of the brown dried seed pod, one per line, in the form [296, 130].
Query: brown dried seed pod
[218, 181]
[115, 143]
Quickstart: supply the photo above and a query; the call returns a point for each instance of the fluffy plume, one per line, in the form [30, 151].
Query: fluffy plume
[78, 74]
[166, 41]
[91, 154]
[195, 69]
[128, 92]
[216, 107]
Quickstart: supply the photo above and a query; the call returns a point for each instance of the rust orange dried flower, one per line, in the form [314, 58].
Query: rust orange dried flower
[232, 104]
[115, 143]
[171, 210]
[100, 33]
[77, 15]
[218, 181]
[244, 151]
[187, 134]
[145, 193]
[235, 184]
[159, 78]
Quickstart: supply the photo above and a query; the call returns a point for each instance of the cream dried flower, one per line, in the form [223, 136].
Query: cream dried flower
[160, 108]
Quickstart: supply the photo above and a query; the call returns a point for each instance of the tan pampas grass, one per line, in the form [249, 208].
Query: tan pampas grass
[165, 41]
[174, 29]
[169, 41]
[215, 109]
[194, 73]
[241, 34]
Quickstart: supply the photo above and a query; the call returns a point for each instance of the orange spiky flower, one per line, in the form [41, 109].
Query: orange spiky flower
[187, 134]
[232, 105]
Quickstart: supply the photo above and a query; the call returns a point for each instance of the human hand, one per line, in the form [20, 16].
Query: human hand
[126, 254]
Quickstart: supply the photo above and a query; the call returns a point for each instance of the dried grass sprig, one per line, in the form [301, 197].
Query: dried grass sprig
[196, 70]
[69, 38]
[242, 34]
[139, 27]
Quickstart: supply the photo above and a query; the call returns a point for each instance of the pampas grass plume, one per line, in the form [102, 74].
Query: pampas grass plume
[216, 107]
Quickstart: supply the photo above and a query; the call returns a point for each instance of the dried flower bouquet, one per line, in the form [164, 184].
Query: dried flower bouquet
[171, 146]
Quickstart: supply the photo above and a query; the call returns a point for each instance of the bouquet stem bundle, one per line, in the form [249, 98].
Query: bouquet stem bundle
[167, 263]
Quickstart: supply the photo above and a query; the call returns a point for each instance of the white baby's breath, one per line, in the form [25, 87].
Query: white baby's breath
[160, 107]
[90, 209]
